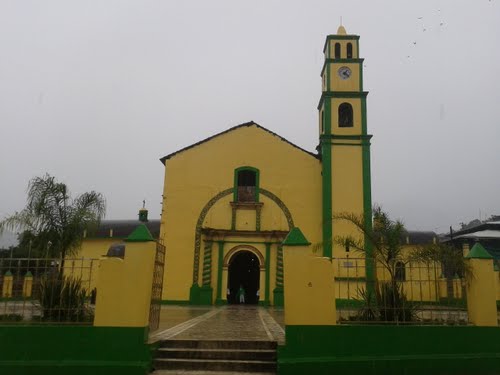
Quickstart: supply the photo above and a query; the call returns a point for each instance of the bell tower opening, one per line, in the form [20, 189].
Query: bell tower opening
[243, 271]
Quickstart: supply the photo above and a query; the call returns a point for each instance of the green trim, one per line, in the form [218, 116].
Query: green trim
[175, 302]
[279, 298]
[233, 218]
[326, 174]
[367, 199]
[268, 272]
[28, 274]
[254, 242]
[296, 238]
[338, 37]
[347, 278]
[346, 144]
[206, 293]
[478, 252]
[361, 77]
[218, 299]
[329, 72]
[207, 264]
[140, 234]
[258, 213]
[199, 223]
[329, 62]
[208, 206]
[279, 267]
[388, 350]
[257, 180]
[78, 350]
[345, 303]
[8, 273]
[342, 95]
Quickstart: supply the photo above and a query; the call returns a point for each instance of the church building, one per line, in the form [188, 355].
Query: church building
[230, 200]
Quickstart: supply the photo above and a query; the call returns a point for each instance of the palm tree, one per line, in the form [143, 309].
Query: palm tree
[56, 220]
[385, 238]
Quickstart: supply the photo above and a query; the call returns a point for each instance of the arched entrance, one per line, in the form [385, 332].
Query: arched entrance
[244, 270]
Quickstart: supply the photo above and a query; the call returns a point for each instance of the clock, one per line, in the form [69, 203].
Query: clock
[344, 72]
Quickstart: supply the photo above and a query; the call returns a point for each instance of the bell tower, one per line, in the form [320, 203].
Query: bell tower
[344, 143]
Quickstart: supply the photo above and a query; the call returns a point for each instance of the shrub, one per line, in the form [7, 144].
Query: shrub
[63, 299]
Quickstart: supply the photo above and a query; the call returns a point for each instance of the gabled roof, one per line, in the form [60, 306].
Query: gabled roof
[247, 124]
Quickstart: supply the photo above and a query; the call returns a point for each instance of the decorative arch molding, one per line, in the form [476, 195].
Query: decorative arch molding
[209, 205]
[235, 250]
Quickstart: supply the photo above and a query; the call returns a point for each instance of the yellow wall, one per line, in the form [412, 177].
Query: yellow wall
[194, 176]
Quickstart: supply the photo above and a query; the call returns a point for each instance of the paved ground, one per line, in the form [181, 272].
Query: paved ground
[231, 322]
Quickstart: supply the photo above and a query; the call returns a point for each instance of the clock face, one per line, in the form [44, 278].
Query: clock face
[344, 72]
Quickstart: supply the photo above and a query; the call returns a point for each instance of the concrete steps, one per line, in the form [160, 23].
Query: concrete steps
[216, 355]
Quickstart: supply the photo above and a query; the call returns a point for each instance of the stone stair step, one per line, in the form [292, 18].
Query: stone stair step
[236, 354]
[214, 365]
[218, 344]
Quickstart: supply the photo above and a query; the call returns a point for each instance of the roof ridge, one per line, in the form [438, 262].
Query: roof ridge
[247, 124]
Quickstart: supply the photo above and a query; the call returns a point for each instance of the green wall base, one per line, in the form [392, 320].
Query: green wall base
[279, 299]
[387, 350]
[58, 350]
[206, 293]
[194, 295]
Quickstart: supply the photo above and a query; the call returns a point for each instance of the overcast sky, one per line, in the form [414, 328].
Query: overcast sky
[95, 92]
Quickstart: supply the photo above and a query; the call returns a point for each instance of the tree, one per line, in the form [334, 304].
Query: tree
[53, 221]
[451, 259]
[385, 239]
[382, 245]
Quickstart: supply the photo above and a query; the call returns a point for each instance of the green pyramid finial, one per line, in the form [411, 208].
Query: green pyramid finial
[295, 238]
[478, 252]
[140, 234]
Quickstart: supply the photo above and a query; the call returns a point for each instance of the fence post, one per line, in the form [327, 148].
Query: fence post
[481, 291]
[124, 286]
[28, 284]
[7, 285]
[309, 284]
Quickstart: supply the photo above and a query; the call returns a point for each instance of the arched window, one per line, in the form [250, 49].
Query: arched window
[349, 50]
[246, 184]
[337, 50]
[345, 115]
[400, 272]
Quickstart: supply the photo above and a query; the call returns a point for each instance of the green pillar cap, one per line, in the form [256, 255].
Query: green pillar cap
[8, 273]
[28, 274]
[478, 252]
[295, 238]
[140, 234]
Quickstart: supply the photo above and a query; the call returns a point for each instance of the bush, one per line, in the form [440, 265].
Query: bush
[388, 304]
[63, 299]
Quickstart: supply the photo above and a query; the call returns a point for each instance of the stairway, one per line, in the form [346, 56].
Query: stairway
[216, 355]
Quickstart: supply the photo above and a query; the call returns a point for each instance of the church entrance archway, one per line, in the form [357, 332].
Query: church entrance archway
[243, 271]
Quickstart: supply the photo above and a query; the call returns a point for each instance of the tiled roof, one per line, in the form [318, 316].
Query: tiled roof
[122, 228]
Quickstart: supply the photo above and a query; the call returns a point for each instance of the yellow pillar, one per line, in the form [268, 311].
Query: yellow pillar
[124, 285]
[7, 285]
[28, 285]
[481, 292]
[308, 284]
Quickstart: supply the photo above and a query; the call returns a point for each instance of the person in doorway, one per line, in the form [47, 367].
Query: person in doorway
[257, 295]
[241, 294]
[228, 295]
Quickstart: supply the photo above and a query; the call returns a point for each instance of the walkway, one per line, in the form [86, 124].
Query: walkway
[232, 322]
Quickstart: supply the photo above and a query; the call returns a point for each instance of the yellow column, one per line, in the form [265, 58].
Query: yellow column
[7, 285]
[124, 285]
[481, 291]
[308, 284]
[28, 285]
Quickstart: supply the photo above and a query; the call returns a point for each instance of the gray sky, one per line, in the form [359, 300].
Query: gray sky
[95, 92]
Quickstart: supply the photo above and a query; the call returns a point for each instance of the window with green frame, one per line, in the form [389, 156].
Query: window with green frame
[246, 185]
